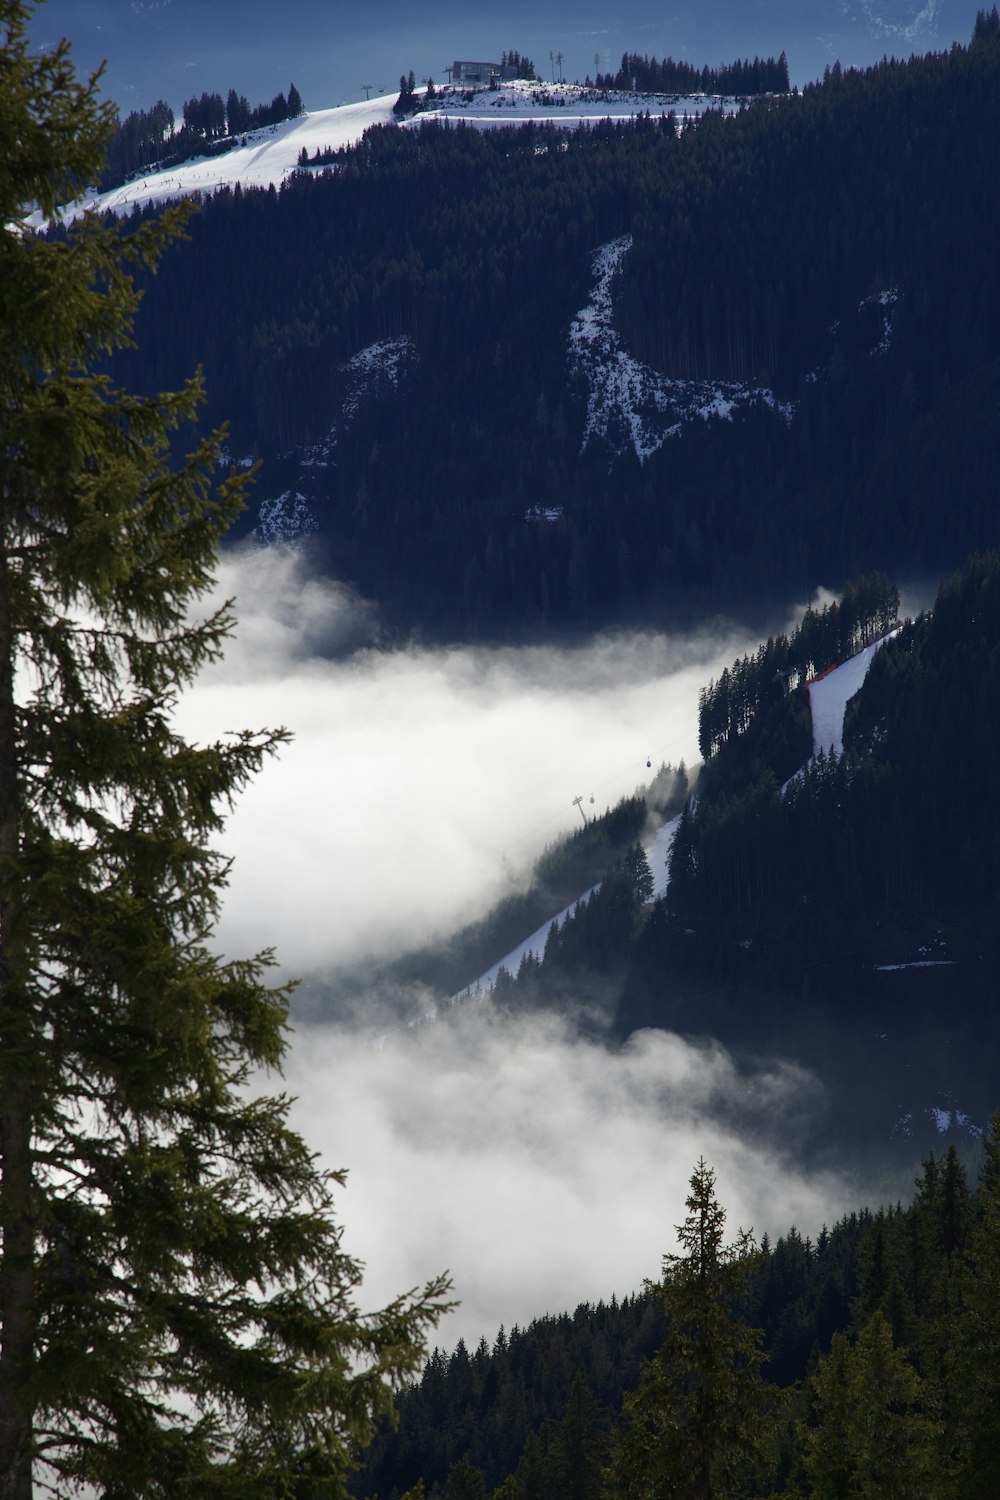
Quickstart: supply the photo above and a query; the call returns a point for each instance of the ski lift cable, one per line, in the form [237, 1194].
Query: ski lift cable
[546, 826]
[639, 765]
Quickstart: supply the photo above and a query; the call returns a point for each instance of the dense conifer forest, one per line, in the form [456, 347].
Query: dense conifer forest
[743, 77]
[834, 246]
[839, 853]
[861, 1363]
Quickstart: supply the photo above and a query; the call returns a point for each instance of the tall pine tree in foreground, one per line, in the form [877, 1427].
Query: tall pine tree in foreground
[178, 1316]
[699, 1425]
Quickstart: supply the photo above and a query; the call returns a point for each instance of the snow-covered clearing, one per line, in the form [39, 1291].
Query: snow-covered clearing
[567, 105]
[629, 403]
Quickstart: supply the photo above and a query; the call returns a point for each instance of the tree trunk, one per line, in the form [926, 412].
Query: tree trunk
[17, 1254]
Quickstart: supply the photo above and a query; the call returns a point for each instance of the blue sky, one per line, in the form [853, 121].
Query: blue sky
[332, 48]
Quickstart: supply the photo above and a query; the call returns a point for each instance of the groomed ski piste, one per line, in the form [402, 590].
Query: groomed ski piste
[830, 693]
[270, 156]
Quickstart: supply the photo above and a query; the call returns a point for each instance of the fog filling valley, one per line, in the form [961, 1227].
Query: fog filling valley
[538, 1165]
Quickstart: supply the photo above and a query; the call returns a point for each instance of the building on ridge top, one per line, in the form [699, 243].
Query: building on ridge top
[469, 74]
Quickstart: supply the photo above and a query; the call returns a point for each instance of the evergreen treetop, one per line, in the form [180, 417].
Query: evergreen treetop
[698, 1424]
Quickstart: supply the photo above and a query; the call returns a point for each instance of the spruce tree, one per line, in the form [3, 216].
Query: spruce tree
[698, 1426]
[873, 1438]
[178, 1315]
[974, 1360]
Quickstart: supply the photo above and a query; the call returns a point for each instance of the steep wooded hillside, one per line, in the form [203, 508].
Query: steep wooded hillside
[876, 1341]
[803, 328]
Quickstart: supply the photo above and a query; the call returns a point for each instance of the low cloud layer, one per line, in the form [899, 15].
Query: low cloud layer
[421, 782]
[542, 1169]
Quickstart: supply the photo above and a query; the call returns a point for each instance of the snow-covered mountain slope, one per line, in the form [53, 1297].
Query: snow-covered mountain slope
[270, 156]
[629, 403]
[262, 157]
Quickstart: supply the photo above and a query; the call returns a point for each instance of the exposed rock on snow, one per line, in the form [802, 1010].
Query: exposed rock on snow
[629, 403]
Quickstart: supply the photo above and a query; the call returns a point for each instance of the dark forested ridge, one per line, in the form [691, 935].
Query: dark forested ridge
[861, 1363]
[836, 248]
[899, 830]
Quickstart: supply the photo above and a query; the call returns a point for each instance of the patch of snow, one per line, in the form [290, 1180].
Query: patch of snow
[658, 852]
[918, 963]
[628, 397]
[385, 361]
[368, 373]
[885, 301]
[920, 29]
[288, 518]
[952, 1119]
